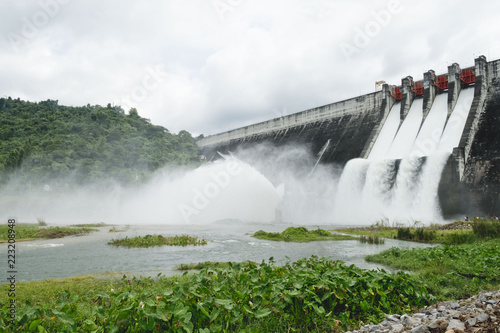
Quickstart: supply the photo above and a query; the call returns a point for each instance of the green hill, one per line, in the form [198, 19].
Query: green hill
[47, 143]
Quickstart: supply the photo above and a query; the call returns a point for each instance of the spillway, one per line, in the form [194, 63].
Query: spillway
[456, 123]
[430, 133]
[399, 180]
[408, 131]
[387, 133]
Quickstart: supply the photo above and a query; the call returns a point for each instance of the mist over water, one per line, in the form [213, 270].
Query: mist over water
[267, 184]
[225, 189]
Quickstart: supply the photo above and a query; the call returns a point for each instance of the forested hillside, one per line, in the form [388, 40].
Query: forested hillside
[47, 143]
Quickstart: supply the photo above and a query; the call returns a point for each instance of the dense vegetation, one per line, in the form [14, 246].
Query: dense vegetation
[372, 240]
[449, 271]
[46, 143]
[312, 294]
[453, 271]
[300, 234]
[457, 232]
[158, 240]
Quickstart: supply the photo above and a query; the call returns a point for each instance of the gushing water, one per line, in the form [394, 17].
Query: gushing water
[387, 133]
[225, 189]
[403, 142]
[404, 190]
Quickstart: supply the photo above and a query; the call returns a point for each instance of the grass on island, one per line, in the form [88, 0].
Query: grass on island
[115, 229]
[372, 240]
[301, 234]
[158, 240]
[32, 231]
[312, 294]
[458, 232]
[455, 271]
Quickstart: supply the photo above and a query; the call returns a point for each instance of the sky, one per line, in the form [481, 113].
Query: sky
[208, 66]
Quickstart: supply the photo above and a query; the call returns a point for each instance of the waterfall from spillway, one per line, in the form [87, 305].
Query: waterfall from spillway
[399, 180]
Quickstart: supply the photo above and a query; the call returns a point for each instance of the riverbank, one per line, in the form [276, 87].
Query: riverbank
[479, 313]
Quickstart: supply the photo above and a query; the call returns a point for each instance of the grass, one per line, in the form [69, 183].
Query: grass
[457, 232]
[158, 240]
[31, 231]
[312, 294]
[114, 229]
[449, 271]
[467, 266]
[372, 240]
[301, 234]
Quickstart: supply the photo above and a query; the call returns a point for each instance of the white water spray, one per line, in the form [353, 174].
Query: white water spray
[407, 191]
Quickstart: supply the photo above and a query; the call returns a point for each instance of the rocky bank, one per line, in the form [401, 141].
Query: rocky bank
[478, 314]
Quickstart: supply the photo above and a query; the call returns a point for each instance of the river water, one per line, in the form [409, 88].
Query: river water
[227, 241]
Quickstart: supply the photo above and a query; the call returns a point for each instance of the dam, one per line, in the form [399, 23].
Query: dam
[423, 149]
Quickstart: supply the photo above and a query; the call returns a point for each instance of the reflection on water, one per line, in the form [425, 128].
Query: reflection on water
[232, 241]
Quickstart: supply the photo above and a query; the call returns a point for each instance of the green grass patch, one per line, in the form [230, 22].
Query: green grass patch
[301, 234]
[372, 240]
[158, 240]
[368, 231]
[449, 271]
[312, 294]
[31, 231]
[458, 232]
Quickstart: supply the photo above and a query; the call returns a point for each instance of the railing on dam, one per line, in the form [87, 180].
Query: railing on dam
[334, 110]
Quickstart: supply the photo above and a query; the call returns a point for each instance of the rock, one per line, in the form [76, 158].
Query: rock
[420, 329]
[408, 321]
[482, 317]
[471, 321]
[438, 325]
[477, 314]
[454, 324]
[397, 328]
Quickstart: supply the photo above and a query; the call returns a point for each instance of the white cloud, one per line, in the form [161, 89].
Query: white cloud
[220, 70]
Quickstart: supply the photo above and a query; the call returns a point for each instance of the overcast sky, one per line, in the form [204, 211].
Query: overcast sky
[208, 66]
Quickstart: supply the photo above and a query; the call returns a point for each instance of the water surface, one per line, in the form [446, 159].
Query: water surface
[230, 241]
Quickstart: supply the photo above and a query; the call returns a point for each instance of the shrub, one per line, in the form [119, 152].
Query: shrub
[486, 228]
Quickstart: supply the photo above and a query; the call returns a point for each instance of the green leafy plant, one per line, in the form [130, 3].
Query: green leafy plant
[311, 294]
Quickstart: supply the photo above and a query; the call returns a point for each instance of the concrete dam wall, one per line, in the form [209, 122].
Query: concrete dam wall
[349, 125]
[372, 125]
